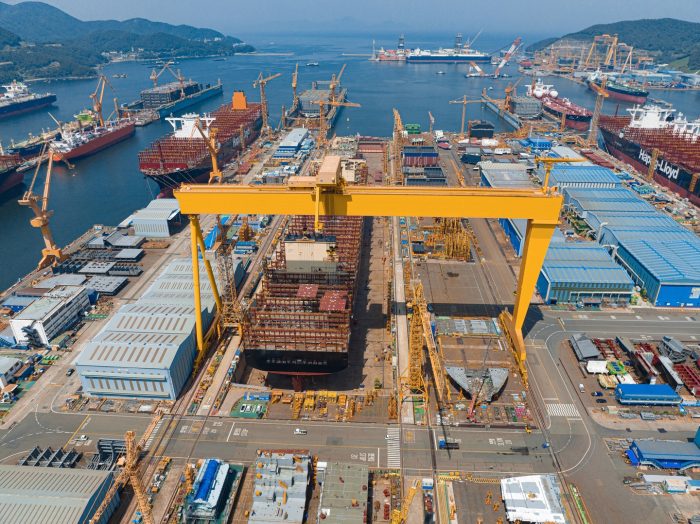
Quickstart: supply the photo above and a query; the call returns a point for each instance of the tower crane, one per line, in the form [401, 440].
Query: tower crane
[432, 122]
[399, 516]
[295, 103]
[261, 81]
[334, 83]
[397, 175]
[97, 104]
[511, 89]
[209, 138]
[602, 95]
[52, 254]
[323, 122]
[510, 52]
[154, 76]
[464, 103]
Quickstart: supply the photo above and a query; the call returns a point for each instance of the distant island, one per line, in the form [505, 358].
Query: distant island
[41, 41]
[667, 40]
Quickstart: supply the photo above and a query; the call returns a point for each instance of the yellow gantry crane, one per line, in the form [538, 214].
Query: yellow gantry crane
[323, 121]
[97, 103]
[464, 103]
[51, 254]
[549, 162]
[602, 95]
[334, 83]
[539, 206]
[261, 82]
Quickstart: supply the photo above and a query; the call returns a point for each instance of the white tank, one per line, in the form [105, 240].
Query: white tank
[553, 93]
[538, 93]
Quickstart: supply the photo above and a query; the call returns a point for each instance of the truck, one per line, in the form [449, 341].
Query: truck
[443, 444]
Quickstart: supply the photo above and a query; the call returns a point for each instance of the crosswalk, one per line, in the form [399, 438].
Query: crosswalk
[393, 448]
[562, 410]
[154, 433]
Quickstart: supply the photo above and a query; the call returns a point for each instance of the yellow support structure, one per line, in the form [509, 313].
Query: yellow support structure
[540, 207]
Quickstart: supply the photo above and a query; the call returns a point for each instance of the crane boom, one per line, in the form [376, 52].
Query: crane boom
[263, 101]
[507, 57]
[102, 82]
[323, 122]
[335, 82]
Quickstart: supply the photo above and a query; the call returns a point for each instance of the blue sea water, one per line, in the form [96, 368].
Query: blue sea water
[105, 188]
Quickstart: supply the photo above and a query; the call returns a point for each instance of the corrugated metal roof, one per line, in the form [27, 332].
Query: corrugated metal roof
[575, 174]
[666, 260]
[583, 264]
[48, 495]
[624, 220]
[164, 203]
[114, 353]
[508, 178]
[141, 323]
[502, 166]
[153, 214]
[601, 194]
[661, 234]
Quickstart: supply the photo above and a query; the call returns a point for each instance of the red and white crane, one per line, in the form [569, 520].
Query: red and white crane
[509, 54]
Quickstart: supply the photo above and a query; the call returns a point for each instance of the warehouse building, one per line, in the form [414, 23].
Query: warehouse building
[46, 317]
[584, 200]
[534, 498]
[668, 270]
[648, 227]
[582, 272]
[516, 229]
[577, 176]
[54, 495]
[664, 454]
[147, 349]
[280, 486]
[158, 220]
[647, 395]
[291, 143]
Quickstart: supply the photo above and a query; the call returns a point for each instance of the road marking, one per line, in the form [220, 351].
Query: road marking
[689, 319]
[150, 440]
[613, 317]
[554, 399]
[639, 318]
[661, 318]
[79, 428]
[562, 410]
[393, 448]
[693, 337]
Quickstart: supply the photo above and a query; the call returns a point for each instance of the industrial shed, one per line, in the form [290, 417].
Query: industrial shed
[648, 227]
[647, 395]
[669, 270]
[666, 454]
[516, 229]
[54, 495]
[159, 219]
[584, 200]
[573, 272]
[582, 177]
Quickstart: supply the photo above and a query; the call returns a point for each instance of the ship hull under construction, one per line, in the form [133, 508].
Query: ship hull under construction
[674, 177]
[636, 97]
[299, 323]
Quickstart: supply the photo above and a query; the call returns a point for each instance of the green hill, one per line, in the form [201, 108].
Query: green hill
[8, 38]
[666, 39]
[40, 22]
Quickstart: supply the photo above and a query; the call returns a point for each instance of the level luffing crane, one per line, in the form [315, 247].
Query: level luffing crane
[511, 89]
[464, 103]
[295, 102]
[509, 54]
[51, 254]
[600, 99]
[154, 76]
[102, 82]
[261, 81]
[335, 81]
[323, 121]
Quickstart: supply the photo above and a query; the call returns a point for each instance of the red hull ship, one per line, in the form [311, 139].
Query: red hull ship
[577, 117]
[77, 145]
[9, 176]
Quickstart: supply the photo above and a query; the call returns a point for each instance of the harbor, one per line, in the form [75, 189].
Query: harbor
[253, 296]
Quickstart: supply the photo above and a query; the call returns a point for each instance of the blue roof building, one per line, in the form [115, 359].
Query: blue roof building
[669, 270]
[582, 177]
[515, 229]
[291, 143]
[647, 395]
[574, 272]
[666, 454]
[585, 200]
[646, 227]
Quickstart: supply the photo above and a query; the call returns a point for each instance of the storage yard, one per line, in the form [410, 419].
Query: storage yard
[321, 347]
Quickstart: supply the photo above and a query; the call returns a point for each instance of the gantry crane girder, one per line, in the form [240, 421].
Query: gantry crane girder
[540, 207]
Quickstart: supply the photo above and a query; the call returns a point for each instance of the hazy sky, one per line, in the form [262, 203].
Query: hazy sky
[535, 17]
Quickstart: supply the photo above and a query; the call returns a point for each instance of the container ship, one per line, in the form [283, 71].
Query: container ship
[92, 137]
[168, 99]
[577, 117]
[633, 140]
[18, 99]
[458, 54]
[182, 156]
[619, 90]
[300, 320]
[9, 176]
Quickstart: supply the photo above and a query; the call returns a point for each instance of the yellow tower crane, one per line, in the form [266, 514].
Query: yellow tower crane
[511, 89]
[295, 102]
[602, 95]
[154, 76]
[209, 137]
[51, 254]
[323, 121]
[432, 122]
[263, 101]
[334, 83]
[399, 139]
[464, 103]
[399, 516]
[97, 104]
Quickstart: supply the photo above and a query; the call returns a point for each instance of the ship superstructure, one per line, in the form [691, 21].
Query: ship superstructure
[458, 54]
[634, 138]
[183, 156]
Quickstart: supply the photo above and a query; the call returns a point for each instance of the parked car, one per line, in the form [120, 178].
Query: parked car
[83, 437]
[597, 394]
[243, 408]
[300, 431]
[601, 401]
[249, 408]
[70, 372]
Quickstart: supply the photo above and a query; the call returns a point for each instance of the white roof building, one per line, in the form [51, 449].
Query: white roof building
[533, 498]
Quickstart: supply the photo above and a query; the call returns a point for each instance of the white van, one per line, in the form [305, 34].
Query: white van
[300, 431]
[581, 388]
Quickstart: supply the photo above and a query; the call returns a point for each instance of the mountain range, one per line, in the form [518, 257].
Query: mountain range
[38, 40]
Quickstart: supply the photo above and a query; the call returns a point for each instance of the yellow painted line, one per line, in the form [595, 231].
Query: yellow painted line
[76, 431]
[562, 324]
